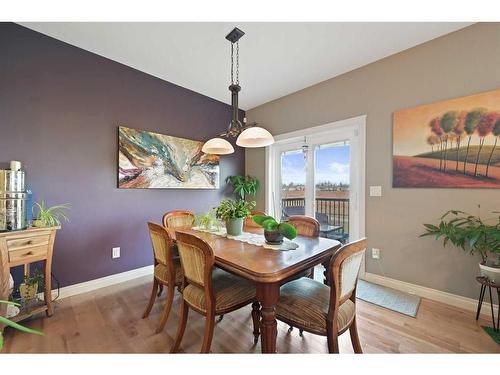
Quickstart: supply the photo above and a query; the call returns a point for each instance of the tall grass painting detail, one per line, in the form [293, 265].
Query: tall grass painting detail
[149, 160]
[448, 144]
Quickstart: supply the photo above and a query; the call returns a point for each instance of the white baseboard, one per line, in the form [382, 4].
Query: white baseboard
[433, 294]
[102, 282]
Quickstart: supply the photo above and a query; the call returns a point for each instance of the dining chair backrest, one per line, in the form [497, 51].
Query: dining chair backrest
[161, 243]
[305, 225]
[249, 219]
[344, 270]
[178, 218]
[197, 260]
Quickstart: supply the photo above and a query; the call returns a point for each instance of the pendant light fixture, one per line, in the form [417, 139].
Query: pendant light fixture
[246, 135]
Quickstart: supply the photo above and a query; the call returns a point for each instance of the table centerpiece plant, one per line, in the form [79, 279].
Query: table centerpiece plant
[473, 235]
[233, 213]
[274, 231]
[208, 220]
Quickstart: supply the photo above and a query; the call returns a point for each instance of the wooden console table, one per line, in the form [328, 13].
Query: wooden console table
[24, 247]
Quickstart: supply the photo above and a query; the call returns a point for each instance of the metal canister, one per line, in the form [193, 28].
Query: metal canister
[12, 200]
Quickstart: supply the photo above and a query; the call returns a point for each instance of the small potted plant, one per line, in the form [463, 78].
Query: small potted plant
[471, 234]
[29, 287]
[233, 212]
[274, 231]
[208, 220]
[50, 216]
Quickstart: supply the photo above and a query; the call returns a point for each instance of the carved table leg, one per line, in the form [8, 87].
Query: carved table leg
[326, 272]
[268, 296]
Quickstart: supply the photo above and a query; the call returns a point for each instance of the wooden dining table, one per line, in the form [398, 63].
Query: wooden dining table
[267, 268]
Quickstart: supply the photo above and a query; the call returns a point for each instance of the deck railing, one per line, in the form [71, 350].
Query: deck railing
[335, 209]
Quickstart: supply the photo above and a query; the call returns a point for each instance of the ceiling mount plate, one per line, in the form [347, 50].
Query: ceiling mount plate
[234, 35]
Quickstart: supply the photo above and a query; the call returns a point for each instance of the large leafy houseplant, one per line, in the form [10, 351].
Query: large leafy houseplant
[10, 323]
[274, 231]
[233, 212]
[472, 234]
[50, 216]
[243, 185]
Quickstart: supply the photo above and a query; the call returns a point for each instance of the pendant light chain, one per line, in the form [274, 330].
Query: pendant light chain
[238, 63]
[232, 64]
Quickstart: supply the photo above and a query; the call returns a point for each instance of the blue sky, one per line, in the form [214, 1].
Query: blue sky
[332, 164]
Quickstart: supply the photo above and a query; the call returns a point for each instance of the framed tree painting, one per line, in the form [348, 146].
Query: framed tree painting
[149, 160]
[448, 144]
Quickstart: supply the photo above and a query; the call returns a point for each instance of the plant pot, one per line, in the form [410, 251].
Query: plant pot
[273, 237]
[28, 292]
[234, 227]
[491, 271]
[38, 223]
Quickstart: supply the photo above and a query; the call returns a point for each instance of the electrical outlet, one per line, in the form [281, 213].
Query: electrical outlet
[375, 253]
[116, 252]
[375, 191]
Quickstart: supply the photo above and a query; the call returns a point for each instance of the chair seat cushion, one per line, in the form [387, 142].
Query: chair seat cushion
[305, 302]
[230, 292]
[161, 272]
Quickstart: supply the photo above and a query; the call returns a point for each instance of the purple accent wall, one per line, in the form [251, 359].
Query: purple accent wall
[60, 107]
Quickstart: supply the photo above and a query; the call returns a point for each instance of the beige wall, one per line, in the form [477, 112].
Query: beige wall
[462, 63]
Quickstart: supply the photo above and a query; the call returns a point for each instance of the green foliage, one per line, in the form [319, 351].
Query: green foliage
[472, 119]
[269, 223]
[51, 216]
[448, 121]
[35, 278]
[207, 220]
[468, 232]
[234, 209]
[10, 323]
[243, 185]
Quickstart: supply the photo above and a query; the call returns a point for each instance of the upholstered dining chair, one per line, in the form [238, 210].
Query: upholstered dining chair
[208, 290]
[326, 310]
[305, 225]
[167, 271]
[178, 218]
[249, 223]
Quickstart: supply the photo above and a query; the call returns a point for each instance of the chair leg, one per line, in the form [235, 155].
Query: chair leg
[221, 316]
[353, 331]
[167, 308]
[209, 333]
[290, 329]
[333, 341]
[160, 291]
[152, 299]
[182, 327]
[256, 321]
[301, 332]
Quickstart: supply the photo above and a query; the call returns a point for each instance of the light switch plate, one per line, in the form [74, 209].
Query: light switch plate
[375, 191]
[375, 253]
[116, 252]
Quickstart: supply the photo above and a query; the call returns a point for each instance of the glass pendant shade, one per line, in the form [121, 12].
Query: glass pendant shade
[255, 137]
[217, 146]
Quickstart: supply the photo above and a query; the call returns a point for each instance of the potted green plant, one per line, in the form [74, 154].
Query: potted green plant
[50, 216]
[233, 212]
[471, 234]
[243, 185]
[10, 323]
[274, 231]
[29, 287]
[208, 220]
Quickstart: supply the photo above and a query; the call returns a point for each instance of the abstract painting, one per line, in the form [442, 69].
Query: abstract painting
[448, 144]
[149, 160]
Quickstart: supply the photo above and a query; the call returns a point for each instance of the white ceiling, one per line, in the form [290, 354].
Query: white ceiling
[276, 59]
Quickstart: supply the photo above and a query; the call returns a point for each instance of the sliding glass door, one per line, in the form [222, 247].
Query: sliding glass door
[318, 175]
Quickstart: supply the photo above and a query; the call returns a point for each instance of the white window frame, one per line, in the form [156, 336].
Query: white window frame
[355, 129]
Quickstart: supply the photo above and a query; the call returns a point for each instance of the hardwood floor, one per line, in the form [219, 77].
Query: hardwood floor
[109, 321]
